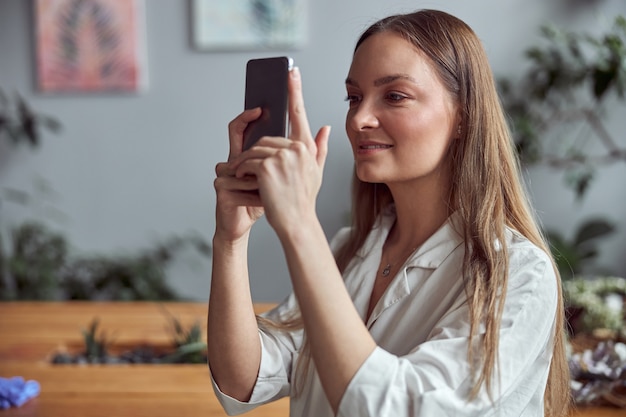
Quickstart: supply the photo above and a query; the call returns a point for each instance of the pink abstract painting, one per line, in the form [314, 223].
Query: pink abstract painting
[89, 45]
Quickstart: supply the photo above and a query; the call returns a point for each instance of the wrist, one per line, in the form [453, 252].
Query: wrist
[226, 244]
[306, 226]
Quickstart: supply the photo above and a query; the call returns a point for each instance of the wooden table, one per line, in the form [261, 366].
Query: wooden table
[30, 333]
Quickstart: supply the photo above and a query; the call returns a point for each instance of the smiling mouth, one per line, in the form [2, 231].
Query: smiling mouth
[367, 147]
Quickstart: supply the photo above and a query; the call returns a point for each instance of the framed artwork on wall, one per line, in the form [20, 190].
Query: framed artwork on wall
[248, 24]
[90, 45]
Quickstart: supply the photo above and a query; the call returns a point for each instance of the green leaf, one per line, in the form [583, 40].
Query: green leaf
[188, 350]
[602, 80]
[593, 229]
[52, 124]
[565, 255]
[580, 182]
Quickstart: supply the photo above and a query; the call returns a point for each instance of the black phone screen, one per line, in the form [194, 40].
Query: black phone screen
[266, 87]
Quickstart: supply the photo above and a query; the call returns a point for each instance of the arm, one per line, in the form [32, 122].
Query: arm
[232, 336]
[340, 342]
[289, 173]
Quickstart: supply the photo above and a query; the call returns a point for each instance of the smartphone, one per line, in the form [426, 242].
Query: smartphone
[266, 87]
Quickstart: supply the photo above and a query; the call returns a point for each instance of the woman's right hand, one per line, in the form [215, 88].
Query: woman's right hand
[238, 204]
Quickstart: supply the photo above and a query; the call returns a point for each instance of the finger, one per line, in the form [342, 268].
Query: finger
[224, 169]
[245, 183]
[249, 168]
[265, 147]
[273, 142]
[248, 199]
[297, 114]
[321, 141]
[244, 199]
[237, 126]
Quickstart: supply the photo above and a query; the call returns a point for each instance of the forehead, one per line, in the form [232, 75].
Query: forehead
[387, 53]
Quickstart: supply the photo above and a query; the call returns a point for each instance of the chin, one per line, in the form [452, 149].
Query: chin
[367, 175]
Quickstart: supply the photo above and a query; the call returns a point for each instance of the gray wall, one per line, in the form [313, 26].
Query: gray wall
[128, 170]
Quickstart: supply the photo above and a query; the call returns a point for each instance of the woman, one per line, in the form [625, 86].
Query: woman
[442, 298]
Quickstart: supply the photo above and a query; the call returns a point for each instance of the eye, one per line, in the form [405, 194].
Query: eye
[394, 97]
[353, 99]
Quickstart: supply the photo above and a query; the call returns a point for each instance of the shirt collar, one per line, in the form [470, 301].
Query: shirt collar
[432, 252]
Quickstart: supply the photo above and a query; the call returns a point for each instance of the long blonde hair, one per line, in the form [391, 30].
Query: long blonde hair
[486, 191]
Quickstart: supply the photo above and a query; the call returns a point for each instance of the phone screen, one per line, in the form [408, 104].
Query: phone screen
[266, 87]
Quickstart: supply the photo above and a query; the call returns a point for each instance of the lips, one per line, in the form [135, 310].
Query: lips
[372, 145]
[368, 147]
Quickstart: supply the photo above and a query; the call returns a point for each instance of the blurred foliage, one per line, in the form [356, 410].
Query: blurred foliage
[187, 348]
[19, 123]
[591, 295]
[190, 348]
[598, 376]
[569, 78]
[96, 345]
[36, 261]
[39, 267]
[574, 255]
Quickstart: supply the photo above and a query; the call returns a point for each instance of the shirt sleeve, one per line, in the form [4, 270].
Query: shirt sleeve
[277, 352]
[434, 378]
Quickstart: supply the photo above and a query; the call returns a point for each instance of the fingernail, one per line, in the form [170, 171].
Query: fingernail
[295, 72]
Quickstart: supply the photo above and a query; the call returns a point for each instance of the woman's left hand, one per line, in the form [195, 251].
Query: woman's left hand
[288, 170]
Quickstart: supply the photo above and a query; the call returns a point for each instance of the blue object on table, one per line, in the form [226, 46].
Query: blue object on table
[14, 392]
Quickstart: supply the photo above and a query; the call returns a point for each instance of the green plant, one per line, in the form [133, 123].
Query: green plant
[128, 277]
[190, 348]
[19, 123]
[572, 255]
[557, 111]
[38, 256]
[591, 297]
[558, 105]
[37, 264]
[96, 345]
[40, 267]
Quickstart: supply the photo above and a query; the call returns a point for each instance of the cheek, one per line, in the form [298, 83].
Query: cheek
[350, 132]
[431, 128]
[349, 124]
[426, 142]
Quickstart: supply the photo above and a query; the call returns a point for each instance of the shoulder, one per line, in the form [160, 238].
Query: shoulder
[531, 269]
[523, 253]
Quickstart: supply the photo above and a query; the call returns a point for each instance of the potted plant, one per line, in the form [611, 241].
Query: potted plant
[556, 111]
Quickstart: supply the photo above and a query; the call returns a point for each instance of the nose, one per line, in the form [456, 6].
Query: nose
[362, 117]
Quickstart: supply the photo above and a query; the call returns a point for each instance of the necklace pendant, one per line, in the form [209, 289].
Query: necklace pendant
[386, 270]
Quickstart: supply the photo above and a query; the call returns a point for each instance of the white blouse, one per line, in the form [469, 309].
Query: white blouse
[421, 326]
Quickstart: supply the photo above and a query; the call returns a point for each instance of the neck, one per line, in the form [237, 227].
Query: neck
[420, 212]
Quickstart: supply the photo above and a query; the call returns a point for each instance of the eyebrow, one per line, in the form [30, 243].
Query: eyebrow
[384, 80]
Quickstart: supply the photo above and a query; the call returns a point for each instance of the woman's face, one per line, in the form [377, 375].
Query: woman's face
[400, 119]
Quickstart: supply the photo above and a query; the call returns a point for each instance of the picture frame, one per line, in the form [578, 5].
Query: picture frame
[90, 46]
[248, 24]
